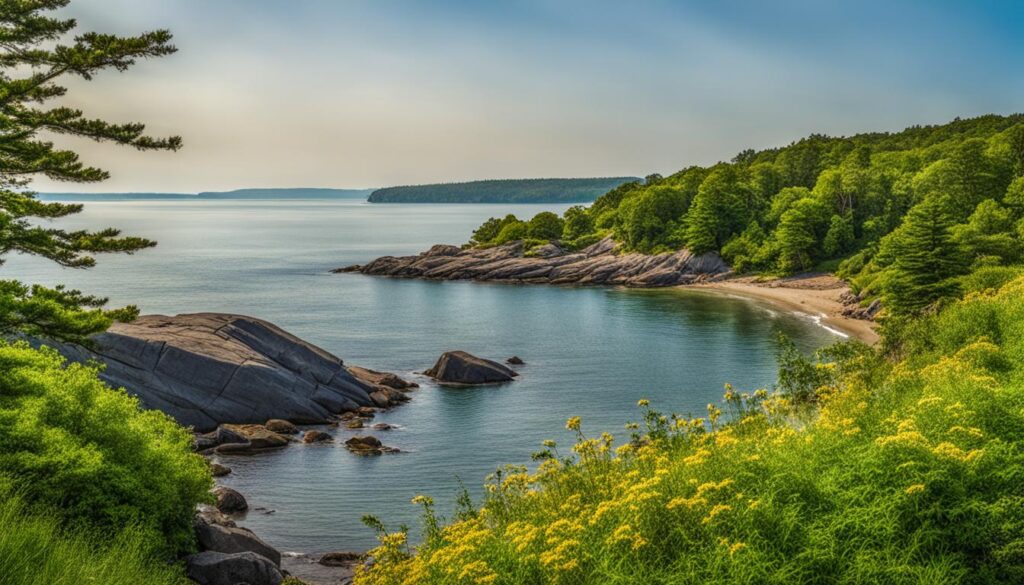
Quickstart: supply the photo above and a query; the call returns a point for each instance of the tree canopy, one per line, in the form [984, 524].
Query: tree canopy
[835, 203]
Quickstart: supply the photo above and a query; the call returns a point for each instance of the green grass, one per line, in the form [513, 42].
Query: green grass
[34, 550]
[901, 472]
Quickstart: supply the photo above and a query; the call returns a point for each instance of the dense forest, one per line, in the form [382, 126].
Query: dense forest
[502, 191]
[903, 215]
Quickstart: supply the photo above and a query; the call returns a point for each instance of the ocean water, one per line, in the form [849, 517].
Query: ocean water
[589, 352]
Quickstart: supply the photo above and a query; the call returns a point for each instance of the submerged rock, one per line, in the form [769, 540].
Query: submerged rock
[205, 369]
[368, 445]
[459, 367]
[230, 501]
[601, 263]
[219, 470]
[217, 568]
[340, 558]
[515, 361]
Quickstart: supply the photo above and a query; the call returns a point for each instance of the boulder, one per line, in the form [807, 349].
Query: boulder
[205, 369]
[259, 436]
[315, 436]
[218, 469]
[459, 367]
[211, 515]
[217, 568]
[235, 540]
[231, 539]
[515, 361]
[282, 427]
[356, 423]
[230, 501]
[383, 427]
[368, 445]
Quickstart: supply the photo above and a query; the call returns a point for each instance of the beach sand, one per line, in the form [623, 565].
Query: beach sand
[816, 294]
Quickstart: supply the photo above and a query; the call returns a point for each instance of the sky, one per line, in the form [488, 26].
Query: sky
[372, 93]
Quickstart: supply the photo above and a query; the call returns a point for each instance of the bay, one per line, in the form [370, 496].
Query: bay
[589, 352]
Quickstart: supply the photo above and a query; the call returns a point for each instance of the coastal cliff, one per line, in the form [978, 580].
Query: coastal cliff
[205, 369]
[601, 263]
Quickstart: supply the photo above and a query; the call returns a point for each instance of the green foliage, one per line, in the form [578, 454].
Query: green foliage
[35, 550]
[489, 231]
[502, 191]
[901, 472]
[545, 226]
[923, 257]
[90, 454]
[32, 60]
[833, 202]
[578, 223]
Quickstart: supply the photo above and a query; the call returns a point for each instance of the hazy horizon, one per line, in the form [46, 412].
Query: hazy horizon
[361, 94]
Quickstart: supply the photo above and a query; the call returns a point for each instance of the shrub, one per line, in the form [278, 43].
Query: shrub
[88, 452]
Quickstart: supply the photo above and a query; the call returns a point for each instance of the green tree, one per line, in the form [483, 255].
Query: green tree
[578, 223]
[799, 233]
[988, 236]
[718, 211]
[545, 226]
[924, 258]
[649, 220]
[32, 60]
[839, 237]
[490, 229]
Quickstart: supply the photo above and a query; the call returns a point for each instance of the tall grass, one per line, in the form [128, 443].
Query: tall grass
[906, 472]
[34, 550]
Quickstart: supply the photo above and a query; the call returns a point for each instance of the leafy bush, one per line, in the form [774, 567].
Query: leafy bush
[34, 550]
[906, 472]
[88, 452]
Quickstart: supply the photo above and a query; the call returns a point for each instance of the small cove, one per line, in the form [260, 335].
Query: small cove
[589, 352]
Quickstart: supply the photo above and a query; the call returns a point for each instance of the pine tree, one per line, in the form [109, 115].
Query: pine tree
[33, 57]
[925, 258]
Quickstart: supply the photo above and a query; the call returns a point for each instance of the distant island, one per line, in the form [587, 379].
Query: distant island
[248, 194]
[503, 191]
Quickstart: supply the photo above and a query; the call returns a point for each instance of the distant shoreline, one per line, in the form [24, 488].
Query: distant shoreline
[817, 295]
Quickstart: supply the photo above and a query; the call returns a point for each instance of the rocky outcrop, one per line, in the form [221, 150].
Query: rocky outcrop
[601, 263]
[217, 568]
[853, 308]
[459, 367]
[209, 368]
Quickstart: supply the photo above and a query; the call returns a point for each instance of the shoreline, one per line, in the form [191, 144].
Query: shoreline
[816, 295]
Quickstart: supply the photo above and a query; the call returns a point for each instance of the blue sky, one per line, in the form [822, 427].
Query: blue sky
[382, 92]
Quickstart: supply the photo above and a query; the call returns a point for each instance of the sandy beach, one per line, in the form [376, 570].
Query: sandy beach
[813, 294]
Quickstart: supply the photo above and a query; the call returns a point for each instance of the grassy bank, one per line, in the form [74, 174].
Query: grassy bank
[35, 550]
[896, 470]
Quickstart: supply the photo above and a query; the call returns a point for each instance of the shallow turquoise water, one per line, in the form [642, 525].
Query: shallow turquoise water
[590, 352]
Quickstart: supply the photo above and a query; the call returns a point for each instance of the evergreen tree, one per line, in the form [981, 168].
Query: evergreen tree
[924, 258]
[839, 237]
[33, 57]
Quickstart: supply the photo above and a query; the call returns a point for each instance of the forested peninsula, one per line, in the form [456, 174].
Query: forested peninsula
[502, 191]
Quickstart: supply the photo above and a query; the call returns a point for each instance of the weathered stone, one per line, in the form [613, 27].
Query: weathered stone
[383, 427]
[364, 443]
[515, 361]
[219, 470]
[205, 369]
[315, 436]
[356, 423]
[376, 378]
[340, 558]
[259, 436]
[459, 367]
[601, 263]
[230, 539]
[230, 501]
[281, 426]
[217, 568]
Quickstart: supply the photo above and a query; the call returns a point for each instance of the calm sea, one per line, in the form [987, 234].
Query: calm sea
[589, 352]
